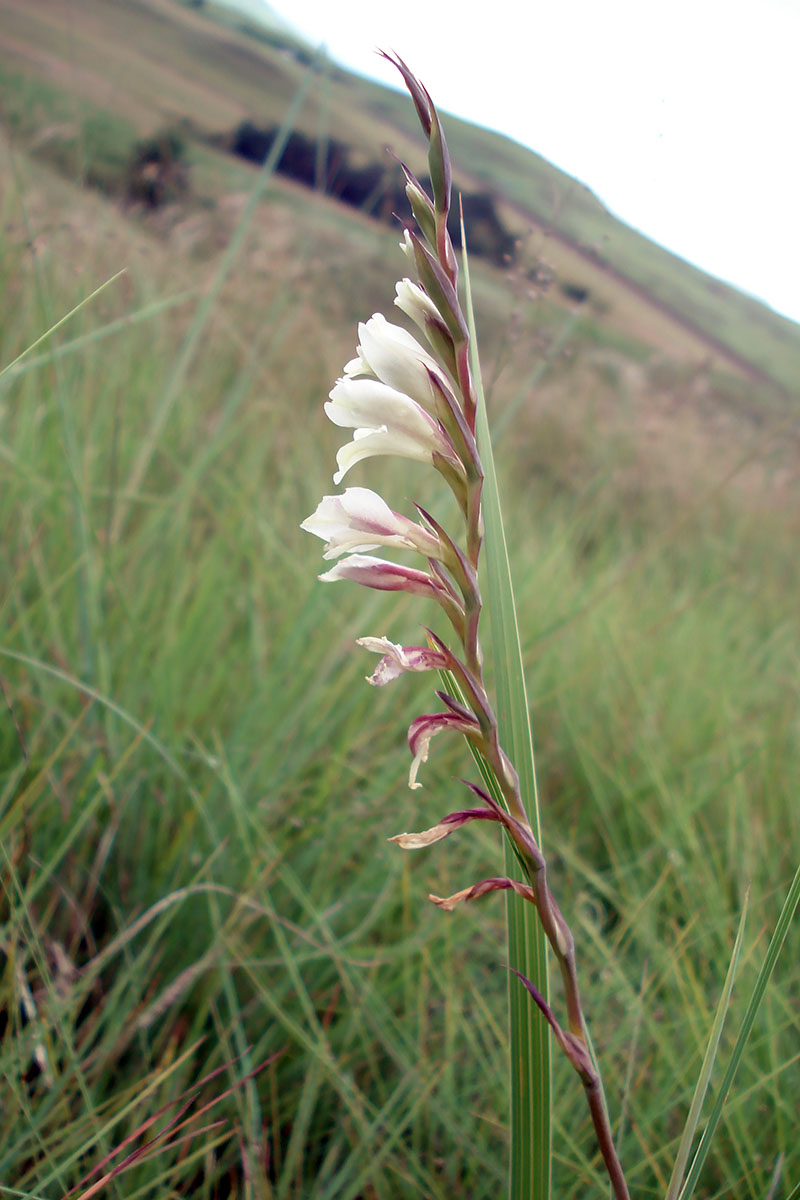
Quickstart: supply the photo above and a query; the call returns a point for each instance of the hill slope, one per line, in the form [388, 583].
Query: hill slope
[154, 62]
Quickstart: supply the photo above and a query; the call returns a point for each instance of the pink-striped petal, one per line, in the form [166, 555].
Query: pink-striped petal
[383, 575]
[360, 520]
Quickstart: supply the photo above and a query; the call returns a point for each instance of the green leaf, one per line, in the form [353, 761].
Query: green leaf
[696, 1107]
[529, 1036]
[764, 975]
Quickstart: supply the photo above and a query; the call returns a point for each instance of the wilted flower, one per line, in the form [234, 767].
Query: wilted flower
[361, 520]
[426, 727]
[398, 659]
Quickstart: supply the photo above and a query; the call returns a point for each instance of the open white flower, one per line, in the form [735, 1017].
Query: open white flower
[384, 421]
[391, 354]
[360, 520]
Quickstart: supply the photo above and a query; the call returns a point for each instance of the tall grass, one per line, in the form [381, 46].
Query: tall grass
[194, 796]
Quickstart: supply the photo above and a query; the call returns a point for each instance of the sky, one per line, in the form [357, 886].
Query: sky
[682, 116]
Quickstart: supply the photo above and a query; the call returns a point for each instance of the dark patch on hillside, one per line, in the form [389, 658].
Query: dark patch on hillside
[575, 292]
[374, 188]
[158, 173]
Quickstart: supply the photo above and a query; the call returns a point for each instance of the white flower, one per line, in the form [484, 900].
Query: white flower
[361, 520]
[390, 353]
[384, 421]
[416, 304]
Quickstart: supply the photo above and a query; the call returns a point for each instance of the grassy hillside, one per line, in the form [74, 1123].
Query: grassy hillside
[152, 62]
[196, 785]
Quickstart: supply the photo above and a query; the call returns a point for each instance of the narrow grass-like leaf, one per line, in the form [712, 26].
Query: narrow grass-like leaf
[710, 1057]
[22, 363]
[347, 1184]
[531, 1083]
[764, 975]
[61, 321]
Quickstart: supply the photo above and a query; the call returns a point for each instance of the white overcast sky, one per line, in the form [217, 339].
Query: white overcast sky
[683, 116]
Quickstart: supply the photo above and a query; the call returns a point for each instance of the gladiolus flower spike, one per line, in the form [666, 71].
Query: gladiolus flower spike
[419, 402]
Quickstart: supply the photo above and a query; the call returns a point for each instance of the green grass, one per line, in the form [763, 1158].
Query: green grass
[196, 785]
[82, 140]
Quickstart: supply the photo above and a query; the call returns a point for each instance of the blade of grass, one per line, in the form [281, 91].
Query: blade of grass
[531, 1081]
[710, 1057]
[764, 975]
[776, 1177]
[96, 335]
[384, 1132]
[62, 321]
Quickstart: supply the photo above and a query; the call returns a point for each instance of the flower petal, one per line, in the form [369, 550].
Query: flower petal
[384, 421]
[383, 575]
[361, 520]
[389, 353]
